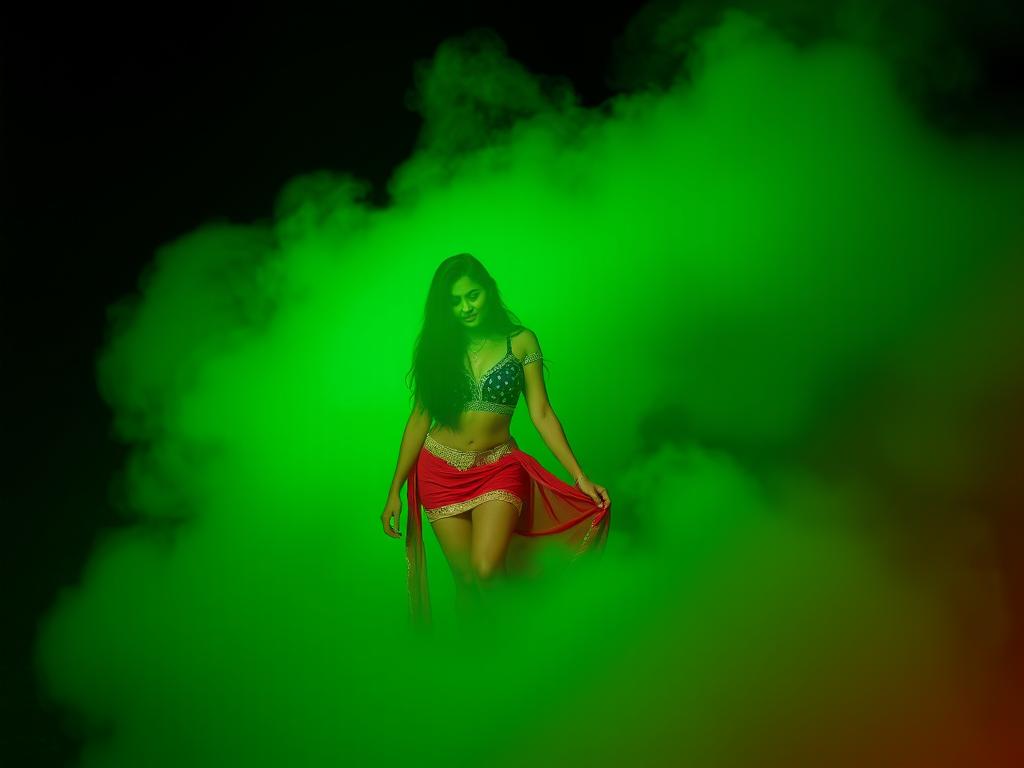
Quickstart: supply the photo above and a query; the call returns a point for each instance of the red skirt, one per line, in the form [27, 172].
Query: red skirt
[446, 481]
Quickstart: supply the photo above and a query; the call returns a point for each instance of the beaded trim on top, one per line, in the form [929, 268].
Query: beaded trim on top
[507, 390]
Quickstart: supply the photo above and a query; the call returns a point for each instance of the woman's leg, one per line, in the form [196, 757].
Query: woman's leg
[493, 525]
[455, 536]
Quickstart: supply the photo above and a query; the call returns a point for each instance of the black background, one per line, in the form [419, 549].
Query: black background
[125, 127]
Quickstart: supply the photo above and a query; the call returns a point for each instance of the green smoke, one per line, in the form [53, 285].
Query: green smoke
[770, 297]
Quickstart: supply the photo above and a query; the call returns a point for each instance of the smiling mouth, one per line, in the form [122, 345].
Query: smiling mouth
[468, 317]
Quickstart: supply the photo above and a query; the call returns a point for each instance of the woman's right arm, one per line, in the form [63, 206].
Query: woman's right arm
[412, 442]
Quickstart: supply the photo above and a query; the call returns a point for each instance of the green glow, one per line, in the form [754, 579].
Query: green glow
[742, 286]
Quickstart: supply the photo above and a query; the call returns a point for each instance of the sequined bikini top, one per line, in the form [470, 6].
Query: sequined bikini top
[499, 387]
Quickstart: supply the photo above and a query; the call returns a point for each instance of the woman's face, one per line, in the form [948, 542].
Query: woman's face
[469, 302]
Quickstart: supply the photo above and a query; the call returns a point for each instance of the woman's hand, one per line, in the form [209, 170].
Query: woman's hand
[594, 491]
[393, 508]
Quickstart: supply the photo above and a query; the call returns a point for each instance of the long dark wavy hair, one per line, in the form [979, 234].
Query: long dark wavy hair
[438, 380]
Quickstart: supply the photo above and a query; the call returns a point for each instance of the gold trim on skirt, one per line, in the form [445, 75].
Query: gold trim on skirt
[463, 460]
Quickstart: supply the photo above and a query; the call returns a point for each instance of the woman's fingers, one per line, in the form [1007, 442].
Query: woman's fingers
[386, 522]
[597, 494]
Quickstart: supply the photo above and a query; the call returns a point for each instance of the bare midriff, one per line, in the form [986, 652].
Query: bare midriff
[478, 431]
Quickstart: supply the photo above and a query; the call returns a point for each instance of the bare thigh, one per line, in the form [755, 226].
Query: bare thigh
[493, 525]
[455, 536]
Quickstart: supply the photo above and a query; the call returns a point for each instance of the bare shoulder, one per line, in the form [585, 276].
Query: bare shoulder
[524, 342]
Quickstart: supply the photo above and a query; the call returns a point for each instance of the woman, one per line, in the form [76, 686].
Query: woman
[476, 486]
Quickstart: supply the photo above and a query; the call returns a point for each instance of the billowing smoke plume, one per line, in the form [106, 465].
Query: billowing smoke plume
[778, 304]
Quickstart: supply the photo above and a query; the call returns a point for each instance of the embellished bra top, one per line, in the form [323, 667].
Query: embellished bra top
[499, 388]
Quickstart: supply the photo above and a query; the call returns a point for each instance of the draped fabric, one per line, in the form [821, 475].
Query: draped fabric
[550, 512]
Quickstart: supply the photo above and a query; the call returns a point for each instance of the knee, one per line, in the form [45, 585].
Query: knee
[487, 568]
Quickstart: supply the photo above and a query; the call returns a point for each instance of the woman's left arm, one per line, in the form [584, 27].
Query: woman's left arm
[546, 422]
[550, 428]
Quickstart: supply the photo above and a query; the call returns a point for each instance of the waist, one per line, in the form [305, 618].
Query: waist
[465, 459]
[474, 429]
